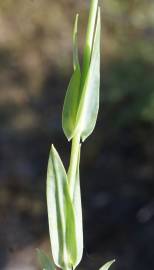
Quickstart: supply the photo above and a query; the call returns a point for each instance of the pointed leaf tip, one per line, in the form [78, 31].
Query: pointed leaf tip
[107, 265]
[53, 149]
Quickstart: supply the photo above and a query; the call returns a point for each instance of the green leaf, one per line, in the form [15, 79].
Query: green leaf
[60, 214]
[45, 261]
[107, 265]
[81, 103]
[89, 103]
[73, 92]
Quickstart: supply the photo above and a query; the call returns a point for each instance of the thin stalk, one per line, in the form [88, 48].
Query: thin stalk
[89, 38]
[73, 162]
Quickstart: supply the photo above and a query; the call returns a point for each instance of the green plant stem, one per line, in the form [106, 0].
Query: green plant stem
[73, 162]
[89, 39]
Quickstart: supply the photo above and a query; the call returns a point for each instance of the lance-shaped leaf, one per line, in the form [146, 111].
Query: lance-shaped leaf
[107, 265]
[60, 214]
[73, 92]
[45, 261]
[89, 103]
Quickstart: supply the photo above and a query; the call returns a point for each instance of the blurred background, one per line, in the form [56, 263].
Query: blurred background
[117, 163]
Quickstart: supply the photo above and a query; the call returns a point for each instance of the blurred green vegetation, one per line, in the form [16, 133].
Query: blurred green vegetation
[130, 80]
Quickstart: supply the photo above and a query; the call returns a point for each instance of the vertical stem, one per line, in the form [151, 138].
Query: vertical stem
[73, 162]
[89, 38]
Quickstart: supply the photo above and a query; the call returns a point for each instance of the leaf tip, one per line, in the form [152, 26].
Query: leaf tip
[113, 261]
[53, 149]
[107, 265]
[76, 23]
[77, 16]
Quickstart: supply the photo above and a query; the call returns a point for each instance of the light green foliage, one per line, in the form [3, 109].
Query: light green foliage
[82, 98]
[45, 261]
[60, 213]
[129, 74]
[89, 103]
[64, 214]
[78, 120]
[107, 265]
